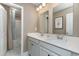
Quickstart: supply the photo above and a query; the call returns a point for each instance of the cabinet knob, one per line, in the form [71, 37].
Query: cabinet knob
[48, 54]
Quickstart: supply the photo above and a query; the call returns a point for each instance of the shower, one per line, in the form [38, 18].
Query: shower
[12, 21]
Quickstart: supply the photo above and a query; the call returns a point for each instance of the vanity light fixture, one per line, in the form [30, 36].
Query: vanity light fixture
[40, 7]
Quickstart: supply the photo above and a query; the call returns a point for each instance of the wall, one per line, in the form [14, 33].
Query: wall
[29, 21]
[9, 29]
[50, 20]
[63, 14]
[3, 30]
[76, 19]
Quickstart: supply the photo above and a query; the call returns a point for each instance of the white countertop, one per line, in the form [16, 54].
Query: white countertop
[68, 43]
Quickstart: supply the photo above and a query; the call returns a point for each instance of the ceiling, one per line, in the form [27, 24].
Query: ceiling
[59, 7]
[62, 6]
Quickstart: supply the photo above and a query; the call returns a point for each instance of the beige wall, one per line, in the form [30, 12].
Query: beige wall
[63, 14]
[50, 20]
[29, 21]
[9, 30]
[76, 19]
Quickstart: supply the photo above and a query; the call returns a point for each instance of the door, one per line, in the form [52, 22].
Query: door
[69, 24]
[3, 30]
[45, 23]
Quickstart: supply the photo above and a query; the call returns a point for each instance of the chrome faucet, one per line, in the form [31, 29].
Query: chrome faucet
[59, 36]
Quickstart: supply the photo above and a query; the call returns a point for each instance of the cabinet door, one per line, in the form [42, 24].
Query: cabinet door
[74, 54]
[35, 50]
[43, 53]
[46, 52]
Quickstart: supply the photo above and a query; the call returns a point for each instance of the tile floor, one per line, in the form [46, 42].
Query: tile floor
[25, 54]
[15, 53]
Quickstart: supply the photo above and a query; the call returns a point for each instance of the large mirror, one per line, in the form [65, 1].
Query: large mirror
[63, 19]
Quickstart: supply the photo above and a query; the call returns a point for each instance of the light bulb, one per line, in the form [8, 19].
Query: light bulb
[40, 7]
[43, 4]
[37, 9]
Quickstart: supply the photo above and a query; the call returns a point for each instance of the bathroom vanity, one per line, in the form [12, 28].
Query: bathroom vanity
[50, 45]
[60, 19]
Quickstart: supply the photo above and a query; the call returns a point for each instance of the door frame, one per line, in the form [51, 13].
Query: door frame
[20, 7]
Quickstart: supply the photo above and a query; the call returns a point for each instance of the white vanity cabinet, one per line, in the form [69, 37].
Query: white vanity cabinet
[35, 51]
[33, 47]
[37, 47]
[43, 52]
[55, 49]
[46, 52]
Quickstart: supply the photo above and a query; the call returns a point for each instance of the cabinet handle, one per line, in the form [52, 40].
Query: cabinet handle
[48, 54]
[32, 44]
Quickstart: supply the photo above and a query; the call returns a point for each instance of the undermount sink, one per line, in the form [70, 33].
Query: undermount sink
[50, 37]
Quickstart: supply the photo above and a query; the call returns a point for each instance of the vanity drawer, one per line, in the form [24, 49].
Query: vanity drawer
[33, 39]
[75, 54]
[45, 52]
[55, 49]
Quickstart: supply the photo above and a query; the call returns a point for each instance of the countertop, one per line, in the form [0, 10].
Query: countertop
[68, 42]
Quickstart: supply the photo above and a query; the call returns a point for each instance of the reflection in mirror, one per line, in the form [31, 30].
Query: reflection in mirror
[63, 19]
[44, 22]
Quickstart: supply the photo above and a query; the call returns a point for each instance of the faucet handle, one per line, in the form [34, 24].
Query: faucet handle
[60, 36]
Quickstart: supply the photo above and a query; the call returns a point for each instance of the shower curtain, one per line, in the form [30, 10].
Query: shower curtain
[12, 34]
[11, 28]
